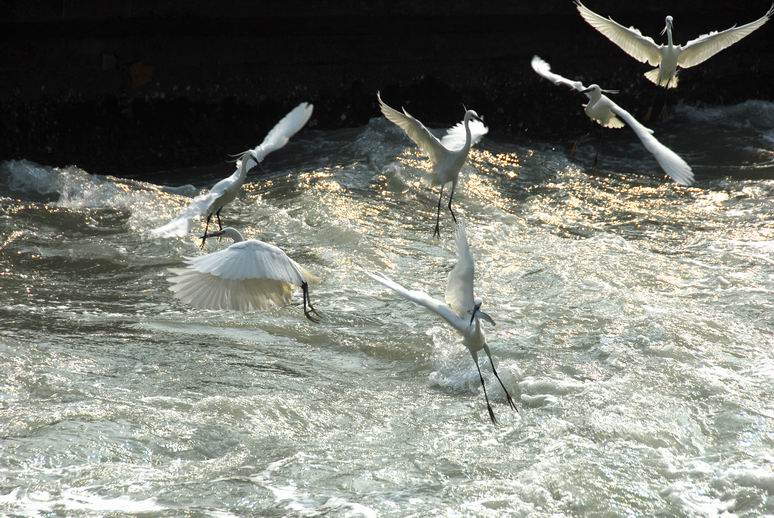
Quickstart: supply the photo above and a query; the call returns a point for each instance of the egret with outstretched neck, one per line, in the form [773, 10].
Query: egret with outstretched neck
[462, 309]
[225, 191]
[249, 275]
[670, 56]
[447, 155]
[609, 115]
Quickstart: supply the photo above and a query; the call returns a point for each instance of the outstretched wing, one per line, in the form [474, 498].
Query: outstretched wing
[544, 69]
[245, 276]
[416, 131]
[181, 225]
[642, 48]
[280, 134]
[423, 299]
[669, 161]
[707, 45]
[459, 287]
[454, 139]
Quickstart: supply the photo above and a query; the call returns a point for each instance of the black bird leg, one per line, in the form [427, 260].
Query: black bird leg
[649, 113]
[206, 227]
[663, 114]
[309, 301]
[507, 394]
[307, 312]
[437, 231]
[454, 184]
[220, 226]
[488, 406]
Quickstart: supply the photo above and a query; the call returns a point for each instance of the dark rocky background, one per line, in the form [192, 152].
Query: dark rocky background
[134, 87]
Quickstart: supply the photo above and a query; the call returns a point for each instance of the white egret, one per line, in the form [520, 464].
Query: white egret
[224, 192]
[604, 111]
[462, 309]
[248, 275]
[447, 155]
[668, 57]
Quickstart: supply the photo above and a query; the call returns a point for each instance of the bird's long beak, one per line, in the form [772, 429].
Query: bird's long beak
[208, 235]
[479, 119]
[611, 91]
[486, 317]
[663, 31]
[481, 314]
[257, 163]
[587, 90]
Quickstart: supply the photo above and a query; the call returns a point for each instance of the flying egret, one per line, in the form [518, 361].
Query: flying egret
[224, 192]
[447, 155]
[248, 275]
[604, 111]
[668, 57]
[462, 309]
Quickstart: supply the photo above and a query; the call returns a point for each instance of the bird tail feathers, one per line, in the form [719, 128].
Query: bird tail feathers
[309, 276]
[653, 77]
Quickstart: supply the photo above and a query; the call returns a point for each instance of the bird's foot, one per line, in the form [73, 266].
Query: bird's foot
[437, 231]
[313, 309]
[310, 317]
[511, 403]
[491, 413]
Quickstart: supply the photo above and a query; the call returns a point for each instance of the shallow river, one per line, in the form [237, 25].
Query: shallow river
[635, 324]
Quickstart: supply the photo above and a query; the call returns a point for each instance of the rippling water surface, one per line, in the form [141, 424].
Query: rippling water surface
[634, 326]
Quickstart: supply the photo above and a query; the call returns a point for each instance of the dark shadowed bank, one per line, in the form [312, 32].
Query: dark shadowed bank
[140, 87]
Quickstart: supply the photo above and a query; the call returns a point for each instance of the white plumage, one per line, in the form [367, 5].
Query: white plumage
[459, 285]
[607, 113]
[461, 310]
[226, 190]
[447, 155]
[668, 57]
[249, 275]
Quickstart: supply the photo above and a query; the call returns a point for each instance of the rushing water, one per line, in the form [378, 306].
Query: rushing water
[634, 326]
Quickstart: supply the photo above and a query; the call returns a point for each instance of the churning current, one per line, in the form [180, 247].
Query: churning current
[634, 328]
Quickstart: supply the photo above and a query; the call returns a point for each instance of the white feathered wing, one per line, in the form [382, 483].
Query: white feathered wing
[459, 286]
[246, 276]
[669, 161]
[278, 137]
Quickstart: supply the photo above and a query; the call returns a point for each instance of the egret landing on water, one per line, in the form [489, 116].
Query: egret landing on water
[224, 192]
[668, 57]
[608, 114]
[447, 155]
[248, 275]
[461, 310]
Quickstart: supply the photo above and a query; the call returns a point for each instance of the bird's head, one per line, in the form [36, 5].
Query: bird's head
[471, 114]
[478, 313]
[596, 90]
[227, 232]
[668, 24]
[249, 160]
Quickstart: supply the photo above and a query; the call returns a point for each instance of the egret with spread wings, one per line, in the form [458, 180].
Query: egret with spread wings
[226, 190]
[668, 57]
[608, 114]
[462, 310]
[447, 155]
[249, 275]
